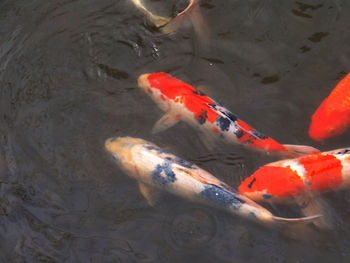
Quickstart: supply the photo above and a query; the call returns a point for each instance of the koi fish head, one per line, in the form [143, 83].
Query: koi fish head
[327, 122]
[272, 183]
[121, 150]
[157, 86]
[162, 88]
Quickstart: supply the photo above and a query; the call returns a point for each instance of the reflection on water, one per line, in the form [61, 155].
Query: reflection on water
[68, 73]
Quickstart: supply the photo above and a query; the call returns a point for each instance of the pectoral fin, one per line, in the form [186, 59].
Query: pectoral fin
[169, 119]
[151, 194]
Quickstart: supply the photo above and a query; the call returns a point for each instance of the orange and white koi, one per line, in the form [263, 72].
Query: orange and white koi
[333, 115]
[155, 169]
[182, 101]
[285, 180]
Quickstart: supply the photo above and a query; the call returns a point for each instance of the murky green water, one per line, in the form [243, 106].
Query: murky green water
[68, 73]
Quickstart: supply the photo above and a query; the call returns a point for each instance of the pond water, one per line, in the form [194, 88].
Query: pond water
[68, 72]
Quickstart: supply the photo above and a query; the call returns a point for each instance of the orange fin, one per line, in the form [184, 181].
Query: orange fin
[300, 150]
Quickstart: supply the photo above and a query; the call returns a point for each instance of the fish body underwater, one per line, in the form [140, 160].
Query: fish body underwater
[169, 26]
[332, 117]
[182, 101]
[285, 180]
[155, 170]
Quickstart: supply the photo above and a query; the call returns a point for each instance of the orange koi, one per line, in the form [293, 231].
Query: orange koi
[333, 115]
[182, 101]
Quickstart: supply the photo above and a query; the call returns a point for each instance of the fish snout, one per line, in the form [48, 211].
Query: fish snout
[109, 141]
[118, 145]
[143, 82]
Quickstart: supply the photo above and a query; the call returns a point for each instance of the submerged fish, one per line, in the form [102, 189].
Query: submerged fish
[168, 25]
[182, 101]
[282, 181]
[157, 170]
[333, 115]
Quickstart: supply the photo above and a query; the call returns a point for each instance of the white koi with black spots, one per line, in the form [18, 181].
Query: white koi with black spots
[156, 169]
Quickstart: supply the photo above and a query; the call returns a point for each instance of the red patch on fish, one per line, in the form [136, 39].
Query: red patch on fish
[192, 99]
[333, 115]
[254, 141]
[324, 172]
[275, 181]
[269, 144]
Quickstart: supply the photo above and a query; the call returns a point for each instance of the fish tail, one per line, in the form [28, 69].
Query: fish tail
[299, 150]
[158, 21]
[192, 13]
[304, 220]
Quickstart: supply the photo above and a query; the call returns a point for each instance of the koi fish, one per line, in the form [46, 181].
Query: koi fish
[168, 25]
[300, 181]
[283, 180]
[333, 115]
[182, 101]
[156, 170]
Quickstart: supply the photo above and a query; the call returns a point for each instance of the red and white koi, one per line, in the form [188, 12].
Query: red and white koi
[285, 180]
[155, 169]
[182, 101]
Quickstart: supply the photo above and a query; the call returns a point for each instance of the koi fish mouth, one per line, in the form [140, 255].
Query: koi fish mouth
[121, 146]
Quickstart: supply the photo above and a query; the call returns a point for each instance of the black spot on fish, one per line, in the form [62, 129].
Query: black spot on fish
[213, 106]
[231, 116]
[168, 177]
[267, 196]
[239, 133]
[223, 123]
[202, 117]
[251, 183]
[184, 163]
[219, 196]
[343, 151]
[152, 148]
[253, 215]
[258, 134]
[198, 92]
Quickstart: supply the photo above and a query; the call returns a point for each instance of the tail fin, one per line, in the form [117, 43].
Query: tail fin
[304, 220]
[300, 150]
[158, 21]
[191, 12]
[311, 204]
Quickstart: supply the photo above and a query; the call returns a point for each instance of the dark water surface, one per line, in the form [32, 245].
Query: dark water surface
[68, 73]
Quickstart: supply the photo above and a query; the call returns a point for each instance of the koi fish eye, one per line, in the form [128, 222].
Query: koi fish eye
[115, 156]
